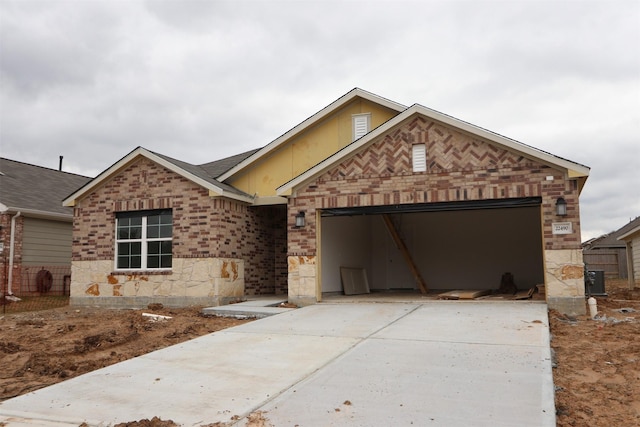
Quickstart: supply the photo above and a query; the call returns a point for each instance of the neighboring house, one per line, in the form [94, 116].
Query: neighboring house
[606, 253]
[630, 235]
[35, 229]
[407, 197]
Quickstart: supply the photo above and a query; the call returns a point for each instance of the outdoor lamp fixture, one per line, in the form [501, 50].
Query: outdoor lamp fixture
[561, 207]
[300, 222]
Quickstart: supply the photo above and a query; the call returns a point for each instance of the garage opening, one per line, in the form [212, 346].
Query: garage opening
[454, 246]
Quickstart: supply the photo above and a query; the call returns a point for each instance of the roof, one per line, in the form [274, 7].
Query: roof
[615, 239]
[219, 167]
[36, 190]
[630, 229]
[201, 175]
[213, 174]
[574, 170]
[606, 241]
[326, 111]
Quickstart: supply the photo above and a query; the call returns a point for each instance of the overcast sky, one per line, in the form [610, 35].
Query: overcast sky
[202, 80]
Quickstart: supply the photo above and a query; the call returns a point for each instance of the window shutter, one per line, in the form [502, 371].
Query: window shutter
[360, 125]
[420, 158]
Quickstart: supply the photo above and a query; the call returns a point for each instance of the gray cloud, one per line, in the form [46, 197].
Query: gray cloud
[197, 80]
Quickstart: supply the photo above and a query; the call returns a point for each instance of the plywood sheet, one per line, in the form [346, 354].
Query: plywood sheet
[354, 280]
[464, 294]
[524, 294]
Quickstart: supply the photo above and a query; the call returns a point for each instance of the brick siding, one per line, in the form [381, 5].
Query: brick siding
[459, 167]
[203, 226]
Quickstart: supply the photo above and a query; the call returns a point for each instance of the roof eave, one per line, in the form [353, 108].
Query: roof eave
[35, 213]
[573, 170]
[326, 111]
[629, 233]
[214, 190]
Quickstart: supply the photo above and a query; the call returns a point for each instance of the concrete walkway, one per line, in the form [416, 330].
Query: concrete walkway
[436, 363]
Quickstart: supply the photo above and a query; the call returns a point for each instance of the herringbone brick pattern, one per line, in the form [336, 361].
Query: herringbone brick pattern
[386, 157]
[460, 168]
[448, 150]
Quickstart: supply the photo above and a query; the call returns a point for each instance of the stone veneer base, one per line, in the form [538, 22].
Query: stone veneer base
[302, 301]
[143, 302]
[574, 306]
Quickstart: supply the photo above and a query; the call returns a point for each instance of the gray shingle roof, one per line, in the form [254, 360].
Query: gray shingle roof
[627, 228]
[36, 188]
[219, 167]
[209, 171]
[610, 240]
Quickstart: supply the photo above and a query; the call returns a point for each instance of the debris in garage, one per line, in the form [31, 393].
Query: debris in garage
[525, 294]
[507, 284]
[464, 294]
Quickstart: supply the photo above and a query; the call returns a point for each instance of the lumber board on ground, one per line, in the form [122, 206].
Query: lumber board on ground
[464, 294]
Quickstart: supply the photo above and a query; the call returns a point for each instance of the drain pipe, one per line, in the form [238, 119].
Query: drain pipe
[11, 251]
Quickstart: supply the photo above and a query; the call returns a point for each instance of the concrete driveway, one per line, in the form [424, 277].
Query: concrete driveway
[438, 363]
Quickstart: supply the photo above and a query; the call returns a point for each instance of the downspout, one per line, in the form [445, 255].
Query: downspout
[11, 251]
[629, 254]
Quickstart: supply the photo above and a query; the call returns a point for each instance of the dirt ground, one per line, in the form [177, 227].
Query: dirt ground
[40, 348]
[597, 377]
[597, 373]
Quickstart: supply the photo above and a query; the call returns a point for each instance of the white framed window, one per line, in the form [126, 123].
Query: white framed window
[419, 157]
[361, 125]
[144, 240]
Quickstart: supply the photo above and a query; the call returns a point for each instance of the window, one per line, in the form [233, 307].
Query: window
[143, 240]
[419, 158]
[361, 124]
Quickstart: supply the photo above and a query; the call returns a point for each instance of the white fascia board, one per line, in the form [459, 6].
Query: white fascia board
[287, 187]
[104, 176]
[35, 213]
[629, 233]
[573, 169]
[326, 111]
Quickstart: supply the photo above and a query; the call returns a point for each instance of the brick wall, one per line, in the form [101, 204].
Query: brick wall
[460, 167]
[140, 186]
[204, 227]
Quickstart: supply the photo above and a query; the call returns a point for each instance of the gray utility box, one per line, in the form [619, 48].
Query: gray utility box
[594, 283]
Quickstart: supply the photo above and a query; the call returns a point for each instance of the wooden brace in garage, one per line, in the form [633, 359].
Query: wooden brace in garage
[405, 253]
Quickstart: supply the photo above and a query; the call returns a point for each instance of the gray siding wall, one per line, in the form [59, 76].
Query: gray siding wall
[46, 242]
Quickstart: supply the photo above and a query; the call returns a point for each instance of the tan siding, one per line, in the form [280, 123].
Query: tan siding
[46, 242]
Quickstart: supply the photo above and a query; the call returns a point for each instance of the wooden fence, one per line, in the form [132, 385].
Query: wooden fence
[612, 261]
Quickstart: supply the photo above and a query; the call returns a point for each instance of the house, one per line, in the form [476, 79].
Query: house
[606, 253]
[35, 229]
[366, 192]
[630, 235]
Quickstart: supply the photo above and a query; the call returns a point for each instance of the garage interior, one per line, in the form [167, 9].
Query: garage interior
[453, 245]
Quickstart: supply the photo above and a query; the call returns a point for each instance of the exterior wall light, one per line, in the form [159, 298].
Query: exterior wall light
[561, 207]
[300, 222]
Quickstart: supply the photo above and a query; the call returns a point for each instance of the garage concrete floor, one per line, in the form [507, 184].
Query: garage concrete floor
[446, 363]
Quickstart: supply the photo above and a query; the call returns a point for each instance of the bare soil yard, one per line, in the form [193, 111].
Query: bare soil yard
[41, 348]
[597, 376]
